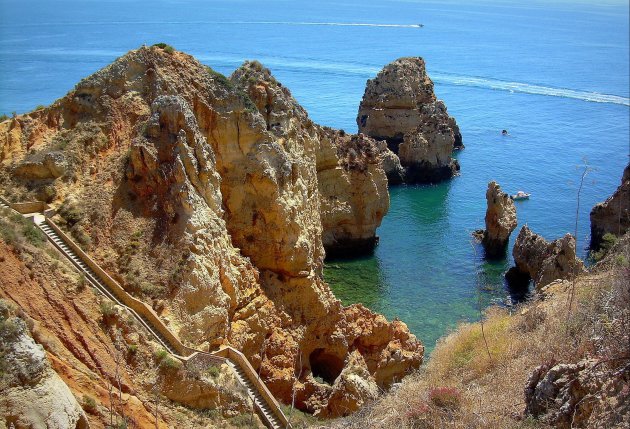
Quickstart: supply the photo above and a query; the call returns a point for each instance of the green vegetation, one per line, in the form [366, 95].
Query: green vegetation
[15, 230]
[230, 87]
[108, 309]
[214, 371]
[165, 360]
[608, 242]
[241, 421]
[4, 117]
[300, 419]
[165, 47]
[40, 107]
[89, 404]
[132, 349]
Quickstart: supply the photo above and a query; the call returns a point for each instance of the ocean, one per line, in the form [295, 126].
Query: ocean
[555, 74]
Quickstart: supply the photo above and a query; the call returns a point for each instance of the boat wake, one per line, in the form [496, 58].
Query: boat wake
[526, 88]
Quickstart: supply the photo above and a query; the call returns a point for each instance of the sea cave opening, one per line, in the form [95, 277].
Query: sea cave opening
[325, 365]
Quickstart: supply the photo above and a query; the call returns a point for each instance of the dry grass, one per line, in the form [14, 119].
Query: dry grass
[483, 391]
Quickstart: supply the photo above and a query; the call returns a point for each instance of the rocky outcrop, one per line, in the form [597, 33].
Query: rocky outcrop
[399, 106]
[500, 221]
[31, 394]
[205, 197]
[545, 262]
[351, 179]
[51, 166]
[353, 192]
[613, 215]
[583, 394]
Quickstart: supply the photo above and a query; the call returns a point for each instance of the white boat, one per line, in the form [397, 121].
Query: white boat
[520, 195]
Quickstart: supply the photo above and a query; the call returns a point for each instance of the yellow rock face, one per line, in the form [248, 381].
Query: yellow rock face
[213, 199]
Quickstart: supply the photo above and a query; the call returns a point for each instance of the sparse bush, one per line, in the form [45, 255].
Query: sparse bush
[445, 397]
[40, 107]
[33, 235]
[89, 404]
[81, 282]
[108, 309]
[241, 421]
[164, 360]
[132, 349]
[214, 371]
[4, 117]
[608, 242]
[165, 47]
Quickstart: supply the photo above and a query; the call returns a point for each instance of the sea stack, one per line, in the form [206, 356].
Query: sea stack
[613, 215]
[542, 261]
[500, 221]
[400, 107]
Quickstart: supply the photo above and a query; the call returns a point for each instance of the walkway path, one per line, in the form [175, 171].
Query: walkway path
[264, 402]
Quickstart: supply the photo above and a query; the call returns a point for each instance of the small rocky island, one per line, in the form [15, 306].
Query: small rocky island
[500, 222]
[400, 107]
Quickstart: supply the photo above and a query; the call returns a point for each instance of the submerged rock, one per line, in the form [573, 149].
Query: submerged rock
[545, 262]
[500, 220]
[613, 215]
[399, 106]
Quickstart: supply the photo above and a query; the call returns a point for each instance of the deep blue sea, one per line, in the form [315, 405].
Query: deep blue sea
[555, 74]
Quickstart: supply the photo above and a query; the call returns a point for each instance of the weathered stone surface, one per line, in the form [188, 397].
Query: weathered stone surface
[583, 394]
[51, 166]
[207, 190]
[399, 106]
[500, 220]
[613, 215]
[31, 394]
[198, 388]
[545, 262]
[353, 192]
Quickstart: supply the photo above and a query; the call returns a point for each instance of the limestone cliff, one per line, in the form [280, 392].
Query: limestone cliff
[353, 191]
[500, 220]
[31, 394]
[613, 215]
[202, 196]
[545, 262]
[350, 169]
[399, 106]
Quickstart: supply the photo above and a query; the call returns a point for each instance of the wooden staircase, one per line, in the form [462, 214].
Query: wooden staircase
[264, 403]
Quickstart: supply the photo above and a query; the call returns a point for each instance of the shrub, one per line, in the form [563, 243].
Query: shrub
[4, 117]
[81, 282]
[165, 47]
[214, 371]
[220, 78]
[89, 404]
[40, 107]
[132, 349]
[445, 397]
[608, 242]
[165, 360]
[241, 421]
[108, 309]
[33, 235]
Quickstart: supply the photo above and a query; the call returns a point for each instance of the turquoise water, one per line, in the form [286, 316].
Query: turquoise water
[556, 76]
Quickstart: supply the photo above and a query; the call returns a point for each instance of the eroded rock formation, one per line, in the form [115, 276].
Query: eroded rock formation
[545, 262]
[206, 197]
[500, 220]
[613, 215]
[31, 393]
[582, 394]
[399, 106]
